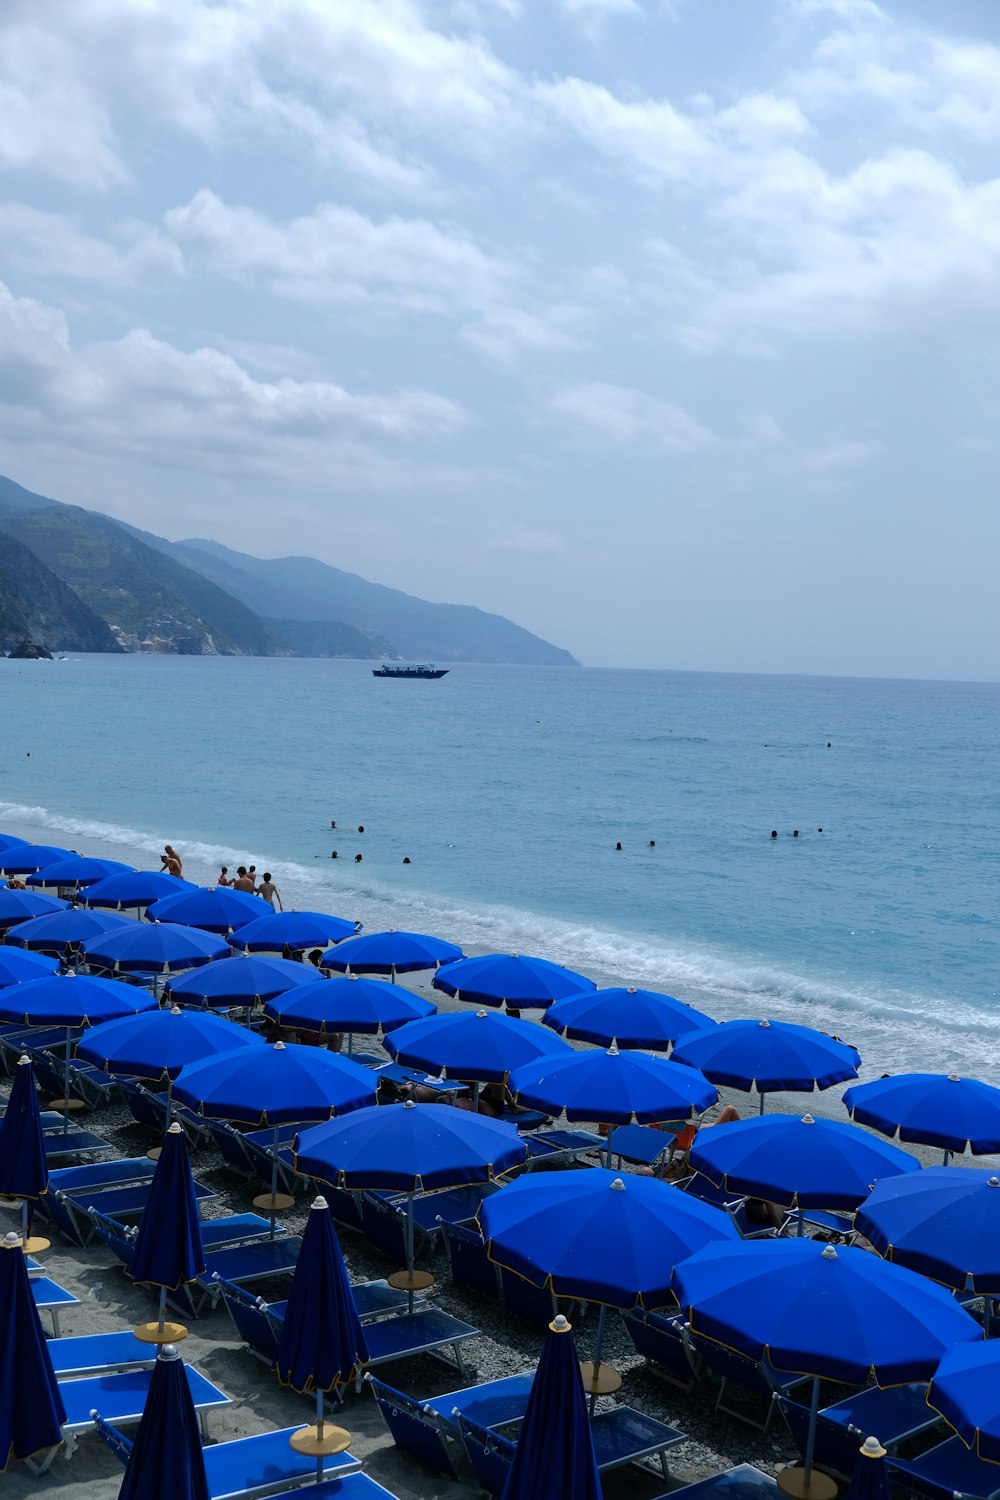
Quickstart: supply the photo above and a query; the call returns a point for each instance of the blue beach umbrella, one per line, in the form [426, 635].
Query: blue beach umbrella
[18, 906]
[349, 1004]
[798, 1162]
[966, 1391]
[8, 841]
[135, 888]
[943, 1222]
[77, 870]
[870, 1479]
[769, 1056]
[933, 1109]
[24, 1171]
[62, 929]
[555, 1446]
[511, 979]
[159, 1043]
[16, 967]
[163, 948]
[244, 980]
[168, 1251]
[599, 1237]
[477, 1046]
[322, 1344]
[31, 1408]
[166, 1461]
[213, 908]
[296, 930]
[390, 953]
[819, 1311]
[625, 1018]
[25, 859]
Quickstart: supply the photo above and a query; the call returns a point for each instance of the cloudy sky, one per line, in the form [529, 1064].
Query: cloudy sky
[667, 327]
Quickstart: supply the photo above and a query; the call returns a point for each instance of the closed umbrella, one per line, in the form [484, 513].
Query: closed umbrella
[31, 1408]
[168, 1251]
[138, 948]
[625, 1018]
[213, 908]
[870, 1479]
[18, 906]
[349, 1004]
[966, 1391]
[390, 953]
[933, 1109]
[24, 1171]
[166, 1461]
[511, 979]
[64, 929]
[555, 1446]
[478, 1046]
[295, 930]
[135, 888]
[77, 871]
[245, 980]
[769, 1056]
[943, 1222]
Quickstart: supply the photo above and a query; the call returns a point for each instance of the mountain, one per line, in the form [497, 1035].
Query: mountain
[330, 638]
[37, 606]
[149, 600]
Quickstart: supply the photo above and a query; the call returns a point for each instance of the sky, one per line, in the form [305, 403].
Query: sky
[668, 328]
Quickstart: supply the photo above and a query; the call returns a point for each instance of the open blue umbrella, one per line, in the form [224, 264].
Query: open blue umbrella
[944, 1222]
[24, 1171]
[599, 1237]
[159, 1043]
[25, 859]
[477, 1046]
[966, 1391]
[8, 841]
[390, 953]
[214, 908]
[798, 1162]
[295, 930]
[31, 1408]
[168, 1251]
[141, 948]
[769, 1056]
[511, 979]
[555, 1446]
[625, 1018]
[18, 906]
[819, 1311]
[244, 980]
[933, 1109]
[135, 888]
[349, 1004]
[322, 1345]
[166, 1461]
[62, 929]
[77, 870]
[16, 967]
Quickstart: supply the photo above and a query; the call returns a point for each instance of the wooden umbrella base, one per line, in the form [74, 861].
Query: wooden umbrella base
[599, 1380]
[793, 1482]
[309, 1442]
[410, 1281]
[279, 1203]
[35, 1244]
[66, 1106]
[160, 1333]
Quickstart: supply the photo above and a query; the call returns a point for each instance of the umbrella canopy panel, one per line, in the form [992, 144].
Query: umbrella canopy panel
[625, 1018]
[943, 1222]
[159, 1043]
[620, 1088]
[391, 953]
[512, 979]
[769, 1056]
[275, 1085]
[479, 1046]
[367, 1006]
[933, 1109]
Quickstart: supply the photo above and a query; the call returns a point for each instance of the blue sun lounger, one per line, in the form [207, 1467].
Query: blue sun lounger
[749, 1374]
[743, 1482]
[73, 1142]
[621, 1436]
[640, 1144]
[894, 1416]
[118, 1189]
[232, 1229]
[120, 1398]
[100, 1353]
[259, 1323]
[429, 1429]
[660, 1339]
[948, 1471]
[51, 1298]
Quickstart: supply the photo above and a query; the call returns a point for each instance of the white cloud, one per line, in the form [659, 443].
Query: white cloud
[51, 120]
[618, 415]
[50, 244]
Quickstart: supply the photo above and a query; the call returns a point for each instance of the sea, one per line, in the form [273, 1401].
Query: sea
[510, 789]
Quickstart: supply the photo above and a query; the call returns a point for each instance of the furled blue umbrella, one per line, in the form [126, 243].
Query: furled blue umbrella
[390, 953]
[135, 888]
[322, 1344]
[349, 1004]
[810, 1308]
[8, 842]
[408, 1148]
[933, 1109]
[798, 1162]
[244, 980]
[167, 1461]
[617, 1088]
[275, 1086]
[625, 1018]
[64, 929]
[213, 908]
[159, 1043]
[295, 930]
[511, 979]
[555, 1446]
[24, 1171]
[25, 859]
[70, 1000]
[769, 1056]
[477, 1046]
[966, 1391]
[168, 1251]
[16, 967]
[31, 1408]
[18, 906]
[870, 1479]
[599, 1237]
[77, 870]
[944, 1222]
[163, 948]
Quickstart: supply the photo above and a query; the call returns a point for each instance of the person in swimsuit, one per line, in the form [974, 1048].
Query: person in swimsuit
[270, 892]
[171, 861]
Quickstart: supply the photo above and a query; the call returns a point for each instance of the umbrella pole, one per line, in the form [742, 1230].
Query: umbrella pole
[811, 1436]
[320, 1434]
[761, 1109]
[274, 1179]
[350, 1044]
[598, 1346]
[409, 1251]
[66, 1084]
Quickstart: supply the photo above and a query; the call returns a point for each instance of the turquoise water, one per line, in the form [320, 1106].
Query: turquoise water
[508, 789]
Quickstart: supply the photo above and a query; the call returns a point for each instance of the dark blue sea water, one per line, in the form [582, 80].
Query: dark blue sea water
[508, 788]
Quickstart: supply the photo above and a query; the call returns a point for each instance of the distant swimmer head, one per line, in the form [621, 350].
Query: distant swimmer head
[618, 845]
[361, 828]
[406, 859]
[652, 843]
[819, 830]
[333, 822]
[829, 744]
[795, 833]
[241, 871]
[358, 858]
[333, 854]
[774, 833]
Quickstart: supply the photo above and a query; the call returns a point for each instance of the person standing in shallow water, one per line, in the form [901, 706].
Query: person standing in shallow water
[171, 861]
[270, 892]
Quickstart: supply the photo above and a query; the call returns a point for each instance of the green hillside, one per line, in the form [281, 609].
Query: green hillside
[37, 606]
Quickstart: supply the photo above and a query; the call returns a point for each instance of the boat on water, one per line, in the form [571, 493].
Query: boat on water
[401, 671]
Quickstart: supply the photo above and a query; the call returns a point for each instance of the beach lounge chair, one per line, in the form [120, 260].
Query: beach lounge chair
[621, 1436]
[470, 1265]
[228, 1141]
[51, 1298]
[415, 1430]
[490, 1453]
[100, 1353]
[259, 1323]
[120, 1399]
[951, 1471]
[532, 1303]
[60, 1144]
[428, 1428]
[642, 1145]
[744, 1482]
[153, 1110]
[660, 1339]
[259, 1147]
[748, 1374]
[66, 1184]
[257, 1259]
[122, 1201]
[894, 1415]
[216, 1234]
[427, 1331]
[554, 1148]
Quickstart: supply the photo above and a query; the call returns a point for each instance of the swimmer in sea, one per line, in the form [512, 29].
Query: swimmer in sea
[171, 861]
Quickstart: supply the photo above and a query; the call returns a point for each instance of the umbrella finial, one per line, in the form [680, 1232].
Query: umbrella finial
[631, 990]
[764, 1023]
[480, 1015]
[12, 1241]
[169, 1351]
[613, 1049]
[319, 1202]
[560, 1324]
[409, 1104]
[279, 1046]
[872, 1448]
[175, 1010]
[993, 1182]
[618, 1186]
[174, 1129]
[808, 1120]
[24, 1060]
[829, 1253]
[954, 1078]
